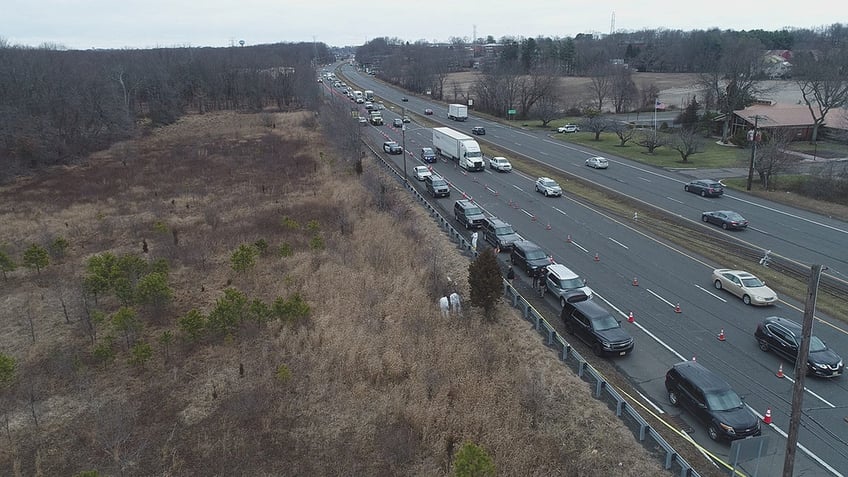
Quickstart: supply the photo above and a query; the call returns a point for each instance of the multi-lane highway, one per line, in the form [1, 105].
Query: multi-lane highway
[667, 276]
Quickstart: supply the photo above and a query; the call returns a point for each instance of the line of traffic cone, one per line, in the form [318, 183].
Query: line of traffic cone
[677, 308]
[630, 318]
[568, 238]
[548, 226]
[597, 257]
[780, 371]
[721, 335]
[767, 417]
[635, 282]
[532, 218]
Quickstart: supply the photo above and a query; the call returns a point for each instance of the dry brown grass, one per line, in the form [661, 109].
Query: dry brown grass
[380, 383]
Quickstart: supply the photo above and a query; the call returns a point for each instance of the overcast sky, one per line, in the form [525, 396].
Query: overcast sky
[84, 24]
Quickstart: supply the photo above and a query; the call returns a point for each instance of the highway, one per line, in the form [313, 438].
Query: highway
[667, 276]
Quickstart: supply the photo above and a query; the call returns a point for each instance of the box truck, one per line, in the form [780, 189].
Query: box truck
[369, 95]
[457, 112]
[459, 147]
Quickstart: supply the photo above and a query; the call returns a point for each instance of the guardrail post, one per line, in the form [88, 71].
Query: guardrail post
[599, 386]
[643, 428]
[581, 366]
[551, 335]
[619, 406]
[565, 350]
[535, 321]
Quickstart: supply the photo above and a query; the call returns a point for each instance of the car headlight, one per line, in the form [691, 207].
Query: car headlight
[820, 365]
[728, 429]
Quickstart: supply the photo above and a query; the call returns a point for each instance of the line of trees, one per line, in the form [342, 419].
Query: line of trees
[518, 73]
[57, 105]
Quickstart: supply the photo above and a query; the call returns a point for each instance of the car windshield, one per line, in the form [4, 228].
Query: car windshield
[752, 282]
[605, 323]
[570, 283]
[438, 183]
[536, 254]
[549, 183]
[816, 345]
[505, 230]
[473, 211]
[427, 150]
[724, 400]
[734, 216]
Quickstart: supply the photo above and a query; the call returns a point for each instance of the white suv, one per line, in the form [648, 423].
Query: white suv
[568, 128]
[500, 164]
[561, 281]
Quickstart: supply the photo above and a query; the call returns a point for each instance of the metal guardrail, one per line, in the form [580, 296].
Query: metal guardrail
[603, 389]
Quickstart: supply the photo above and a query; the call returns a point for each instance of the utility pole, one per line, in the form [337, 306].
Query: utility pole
[753, 153]
[801, 369]
[403, 143]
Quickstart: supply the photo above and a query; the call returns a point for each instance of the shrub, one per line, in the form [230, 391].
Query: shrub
[292, 309]
[243, 258]
[313, 226]
[259, 311]
[192, 324]
[140, 354]
[229, 312]
[153, 290]
[58, 247]
[285, 250]
[160, 227]
[262, 246]
[317, 243]
[6, 264]
[472, 461]
[36, 257]
[104, 351]
[290, 223]
[283, 373]
[7, 370]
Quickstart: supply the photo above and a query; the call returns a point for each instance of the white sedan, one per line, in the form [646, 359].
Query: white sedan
[746, 286]
[597, 162]
[421, 172]
[500, 164]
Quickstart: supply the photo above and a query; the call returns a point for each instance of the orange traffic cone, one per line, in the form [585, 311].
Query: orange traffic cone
[677, 309]
[767, 417]
[597, 258]
[532, 218]
[568, 238]
[780, 371]
[635, 282]
[721, 335]
[549, 226]
[630, 318]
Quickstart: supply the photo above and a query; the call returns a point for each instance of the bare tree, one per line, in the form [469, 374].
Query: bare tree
[731, 78]
[623, 130]
[601, 85]
[771, 158]
[687, 142]
[824, 85]
[538, 84]
[547, 108]
[623, 90]
[595, 123]
[650, 140]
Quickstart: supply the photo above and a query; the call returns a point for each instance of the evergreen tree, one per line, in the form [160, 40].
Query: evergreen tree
[484, 277]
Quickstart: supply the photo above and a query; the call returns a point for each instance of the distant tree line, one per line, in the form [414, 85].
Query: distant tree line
[519, 73]
[59, 105]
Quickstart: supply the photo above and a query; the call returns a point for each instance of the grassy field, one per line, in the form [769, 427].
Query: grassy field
[371, 381]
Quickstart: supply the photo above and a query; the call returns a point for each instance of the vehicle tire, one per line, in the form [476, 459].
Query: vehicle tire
[686, 188]
[712, 431]
[703, 193]
[562, 301]
[717, 284]
[705, 218]
[673, 399]
[764, 346]
[746, 299]
[596, 348]
[546, 192]
[724, 226]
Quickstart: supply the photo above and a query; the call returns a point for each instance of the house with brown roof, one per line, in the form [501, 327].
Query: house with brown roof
[793, 117]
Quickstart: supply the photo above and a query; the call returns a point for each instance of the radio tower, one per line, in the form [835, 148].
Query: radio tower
[612, 23]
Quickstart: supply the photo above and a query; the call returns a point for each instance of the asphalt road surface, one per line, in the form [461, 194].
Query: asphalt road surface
[667, 276]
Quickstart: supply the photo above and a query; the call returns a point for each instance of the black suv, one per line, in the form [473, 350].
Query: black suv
[478, 130]
[468, 214]
[784, 338]
[529, 257]
[593, 324]
[710, 399]
[499, 233]
[705, 187]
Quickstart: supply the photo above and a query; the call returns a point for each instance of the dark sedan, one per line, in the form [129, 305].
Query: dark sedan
[784, 338]
[726, 219]
[705, 188]
[478, 130]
